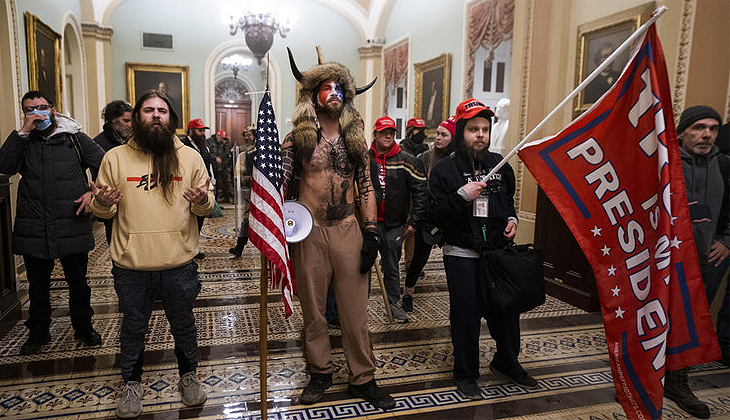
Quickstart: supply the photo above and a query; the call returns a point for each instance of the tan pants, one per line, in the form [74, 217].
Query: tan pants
[408, 246]
[332, 255]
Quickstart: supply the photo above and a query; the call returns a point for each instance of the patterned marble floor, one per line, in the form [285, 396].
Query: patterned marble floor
[562, 346]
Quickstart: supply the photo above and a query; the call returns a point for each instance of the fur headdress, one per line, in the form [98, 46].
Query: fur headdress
[305, 132]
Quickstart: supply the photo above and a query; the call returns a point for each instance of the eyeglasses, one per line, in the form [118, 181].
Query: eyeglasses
[41, 107]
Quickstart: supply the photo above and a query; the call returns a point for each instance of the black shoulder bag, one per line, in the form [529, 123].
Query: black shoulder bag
[511, 279]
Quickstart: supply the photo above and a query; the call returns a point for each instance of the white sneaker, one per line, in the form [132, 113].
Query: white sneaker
[399, 315]
[130, 405]
[192, 394]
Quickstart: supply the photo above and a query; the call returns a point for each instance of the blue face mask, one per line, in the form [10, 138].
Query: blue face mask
[43, 124]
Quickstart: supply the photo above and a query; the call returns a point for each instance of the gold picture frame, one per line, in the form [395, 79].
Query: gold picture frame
[174, 80]
[432, 97]
[596, 40]
[44, 59]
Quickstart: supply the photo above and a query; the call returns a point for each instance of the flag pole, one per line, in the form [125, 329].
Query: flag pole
[263, 327]
[654, 16]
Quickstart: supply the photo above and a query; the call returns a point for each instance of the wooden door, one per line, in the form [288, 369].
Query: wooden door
[9, 303]
[233, 117]
[568, 275]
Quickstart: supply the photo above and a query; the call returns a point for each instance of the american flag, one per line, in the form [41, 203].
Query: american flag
[266, 221]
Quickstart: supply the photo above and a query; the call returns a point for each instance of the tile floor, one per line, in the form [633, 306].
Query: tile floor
[563, 347]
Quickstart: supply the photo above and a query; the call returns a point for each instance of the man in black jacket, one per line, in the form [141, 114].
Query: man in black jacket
[476, 214]
[196, 140]
[52, 221]
[117, 130]
[399, 186]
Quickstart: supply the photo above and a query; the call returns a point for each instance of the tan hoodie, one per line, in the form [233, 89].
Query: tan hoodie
[150, 233]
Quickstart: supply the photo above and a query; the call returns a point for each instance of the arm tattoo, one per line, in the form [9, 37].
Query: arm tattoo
[287, 161]
[366, 194]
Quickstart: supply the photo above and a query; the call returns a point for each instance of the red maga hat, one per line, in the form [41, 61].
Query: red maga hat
[196, 123]
[383, 123]
[416, 122]
[221, 133]
[470, 108]
[449, 124]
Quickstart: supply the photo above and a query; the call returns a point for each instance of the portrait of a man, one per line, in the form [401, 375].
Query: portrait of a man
[44, 64]
[170, 80]
[432, 91]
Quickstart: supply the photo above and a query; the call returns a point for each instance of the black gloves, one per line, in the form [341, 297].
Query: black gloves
[370, 245]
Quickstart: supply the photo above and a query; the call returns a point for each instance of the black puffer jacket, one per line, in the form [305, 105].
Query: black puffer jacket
[405, 188]
[108, 138]
[46, 225]
[453, 214]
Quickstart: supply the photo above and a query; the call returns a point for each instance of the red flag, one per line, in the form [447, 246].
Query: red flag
[615, 176]
[266, 221]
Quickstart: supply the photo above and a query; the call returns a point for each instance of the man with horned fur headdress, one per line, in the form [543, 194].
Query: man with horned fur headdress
[327, 156]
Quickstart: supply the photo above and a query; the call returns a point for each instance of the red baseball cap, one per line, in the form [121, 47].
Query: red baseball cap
[416, 122]
[196, 123]
[470, 108]
[449, 124]
[221, 133]
[383, 123]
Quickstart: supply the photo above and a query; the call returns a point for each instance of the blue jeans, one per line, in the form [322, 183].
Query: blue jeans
[713, 280]
[391, 240]
[177, 288]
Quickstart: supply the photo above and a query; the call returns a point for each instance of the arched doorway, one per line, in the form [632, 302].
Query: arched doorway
[232, 108]
[74, 86]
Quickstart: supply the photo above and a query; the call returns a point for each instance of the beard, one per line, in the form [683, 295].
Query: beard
[332, 109]
[154, 139]
[478, 155]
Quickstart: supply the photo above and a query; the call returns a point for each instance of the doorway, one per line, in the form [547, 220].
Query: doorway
[232, 109]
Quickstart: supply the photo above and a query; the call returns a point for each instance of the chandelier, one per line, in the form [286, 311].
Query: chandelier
[258, 22]
[236, 63]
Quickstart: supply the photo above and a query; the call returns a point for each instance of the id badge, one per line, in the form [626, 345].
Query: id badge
[481, 207]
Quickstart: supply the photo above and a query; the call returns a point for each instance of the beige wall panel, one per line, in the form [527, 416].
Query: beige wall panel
[709, 64]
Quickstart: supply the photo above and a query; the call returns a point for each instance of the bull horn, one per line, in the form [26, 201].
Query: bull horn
[294, 69]
[365, 88]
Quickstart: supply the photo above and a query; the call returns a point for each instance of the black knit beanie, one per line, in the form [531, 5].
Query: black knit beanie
[696, 113]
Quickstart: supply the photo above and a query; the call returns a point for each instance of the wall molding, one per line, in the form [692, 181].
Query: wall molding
[97, 31]
[71, 20]
[684, 49]
[18, 77]
[524, 97]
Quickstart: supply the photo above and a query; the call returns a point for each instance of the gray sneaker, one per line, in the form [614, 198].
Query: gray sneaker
[130, 405]
[192, 394]
[399, 315]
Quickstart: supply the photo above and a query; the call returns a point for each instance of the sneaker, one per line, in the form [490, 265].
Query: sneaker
[399, 315]
[468, 388]
[334, 324]
[35, 341]
[200, 256]
[522, 379]
[676, 388]
[130, 405]
[91, 338]
[189, 386]
[370, 392]
[407, 303]
[318, 383]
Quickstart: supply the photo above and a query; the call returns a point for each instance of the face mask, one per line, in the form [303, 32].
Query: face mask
[42, 125]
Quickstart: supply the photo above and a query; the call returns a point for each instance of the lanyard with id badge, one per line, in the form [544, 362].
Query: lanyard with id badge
[481, 203]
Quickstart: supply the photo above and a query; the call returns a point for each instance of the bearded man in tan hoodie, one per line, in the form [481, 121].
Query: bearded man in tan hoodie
[153, 187]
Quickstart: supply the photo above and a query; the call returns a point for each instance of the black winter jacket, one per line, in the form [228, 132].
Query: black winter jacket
[46, 225]
[453, 214]
[108, 138]
[405, 189]
[204, 153]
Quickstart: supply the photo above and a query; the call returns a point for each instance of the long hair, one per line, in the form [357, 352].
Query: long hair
[165, 163]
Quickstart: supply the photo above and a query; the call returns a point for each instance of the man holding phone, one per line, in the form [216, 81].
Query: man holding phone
[52, 219]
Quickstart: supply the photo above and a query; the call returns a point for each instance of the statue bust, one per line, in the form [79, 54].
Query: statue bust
[499, 130]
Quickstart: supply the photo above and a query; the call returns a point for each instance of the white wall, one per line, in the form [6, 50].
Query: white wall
[196, 35]
[435, 28]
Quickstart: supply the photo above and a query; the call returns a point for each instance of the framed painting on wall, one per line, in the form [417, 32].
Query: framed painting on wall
[171, 80]
[433, 88]
[44, 59]
[596, 41]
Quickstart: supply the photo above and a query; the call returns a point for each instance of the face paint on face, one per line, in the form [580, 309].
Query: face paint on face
[329, 90]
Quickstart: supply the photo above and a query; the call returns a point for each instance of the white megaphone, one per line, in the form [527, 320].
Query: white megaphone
[298, 221]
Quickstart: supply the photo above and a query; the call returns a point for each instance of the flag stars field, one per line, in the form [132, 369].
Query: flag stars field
[606, 250]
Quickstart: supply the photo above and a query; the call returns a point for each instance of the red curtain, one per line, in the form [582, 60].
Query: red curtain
[489, 23]
[395, 66]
